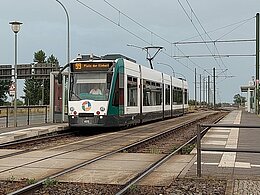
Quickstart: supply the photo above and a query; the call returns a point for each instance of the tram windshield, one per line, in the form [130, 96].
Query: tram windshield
[91, 86]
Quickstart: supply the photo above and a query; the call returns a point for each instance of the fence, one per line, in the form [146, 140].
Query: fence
[26, 115]
[199, 148]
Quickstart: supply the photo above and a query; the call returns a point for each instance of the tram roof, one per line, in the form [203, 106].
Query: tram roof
[87, 57]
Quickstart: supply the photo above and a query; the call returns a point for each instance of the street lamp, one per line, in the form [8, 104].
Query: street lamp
[173, 72]
[68, 31]
[68, 57]
[15, 25]
[184, 78]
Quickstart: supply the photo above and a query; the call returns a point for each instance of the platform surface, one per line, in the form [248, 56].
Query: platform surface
[242, 169]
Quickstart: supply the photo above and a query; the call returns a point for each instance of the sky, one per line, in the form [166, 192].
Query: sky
[110, 26]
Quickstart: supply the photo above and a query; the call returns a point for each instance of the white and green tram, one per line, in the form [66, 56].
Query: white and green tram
[128, 93]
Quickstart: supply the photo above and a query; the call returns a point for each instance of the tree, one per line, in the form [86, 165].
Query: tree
[239, 100]
[53, 60]
[46, 83]
[32, 90]
[5, 84]
[39, 57]
[32, 87]
[192, 102]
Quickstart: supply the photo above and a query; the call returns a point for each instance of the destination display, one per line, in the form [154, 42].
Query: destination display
[81, 66]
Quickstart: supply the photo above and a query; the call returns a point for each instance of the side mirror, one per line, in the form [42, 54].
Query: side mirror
[59, 78]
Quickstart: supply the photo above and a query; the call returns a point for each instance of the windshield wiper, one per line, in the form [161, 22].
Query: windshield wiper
[72, 92]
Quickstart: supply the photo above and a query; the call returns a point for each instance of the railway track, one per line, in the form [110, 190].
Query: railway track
[108, 145]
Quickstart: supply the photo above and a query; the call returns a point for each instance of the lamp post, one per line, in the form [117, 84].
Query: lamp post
[173, 72]
[15, 25]
[68, 57]
[68, 30]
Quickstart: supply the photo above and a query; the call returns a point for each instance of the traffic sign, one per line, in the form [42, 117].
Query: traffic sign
[12, 89]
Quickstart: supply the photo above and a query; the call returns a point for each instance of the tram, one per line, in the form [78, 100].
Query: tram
[115, 91]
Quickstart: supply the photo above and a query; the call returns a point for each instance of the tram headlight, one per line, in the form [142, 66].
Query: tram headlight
[102, 109]
[72, 109]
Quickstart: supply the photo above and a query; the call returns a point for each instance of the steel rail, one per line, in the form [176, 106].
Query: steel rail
[82, 164]
[36, 138]
[158, 163]
[28, 140]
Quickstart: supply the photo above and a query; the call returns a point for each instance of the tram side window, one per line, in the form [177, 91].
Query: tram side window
[152, 93]
[167, 94]
[180, 96]
[146, 93]
[185, 96]
[175, 96]
[131, 91]
[158, 94]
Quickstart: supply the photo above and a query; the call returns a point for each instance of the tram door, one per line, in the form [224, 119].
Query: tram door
[58, 98]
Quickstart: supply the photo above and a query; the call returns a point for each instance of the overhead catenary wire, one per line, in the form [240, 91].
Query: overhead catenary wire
[110, 20]
[118, 23]
[235, 28]
[153, 33]
[217, 29]
[215, 41]
[205, 32]
[192, 11]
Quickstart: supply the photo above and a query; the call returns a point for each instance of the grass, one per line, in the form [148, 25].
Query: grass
[50, 182]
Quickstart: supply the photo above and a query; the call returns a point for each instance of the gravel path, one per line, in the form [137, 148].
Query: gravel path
[178, 187]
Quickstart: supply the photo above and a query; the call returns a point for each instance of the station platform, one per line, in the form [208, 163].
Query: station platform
[242, 170]
[16, 133]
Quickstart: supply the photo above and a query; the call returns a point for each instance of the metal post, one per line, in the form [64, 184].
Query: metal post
[7, 117]
[203, 89]
[68, 57]
[28, 116]
[42, 91]
[46, 113]
[195, 88]
[68, 30]
[15, 27]
[206, 91]
[209, 90]
[183, 97]
[200, 90]
[257, 65]
[198, 150]
[52, 102]
[15, 80]
[214, 88]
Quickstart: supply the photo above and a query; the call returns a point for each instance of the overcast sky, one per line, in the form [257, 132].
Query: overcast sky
[44, 27]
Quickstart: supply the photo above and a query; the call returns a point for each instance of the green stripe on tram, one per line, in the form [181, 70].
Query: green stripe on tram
[116, 110]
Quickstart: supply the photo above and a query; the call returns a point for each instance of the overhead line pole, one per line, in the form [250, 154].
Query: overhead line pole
[214, 88]
[200, 90]
[209, 91]
[195, 88]
[257, 66]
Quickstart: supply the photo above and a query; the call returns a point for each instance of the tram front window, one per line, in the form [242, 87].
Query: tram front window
[91, 86]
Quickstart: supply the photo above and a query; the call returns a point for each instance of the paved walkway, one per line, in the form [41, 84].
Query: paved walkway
[241, 169]
[12, 134]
